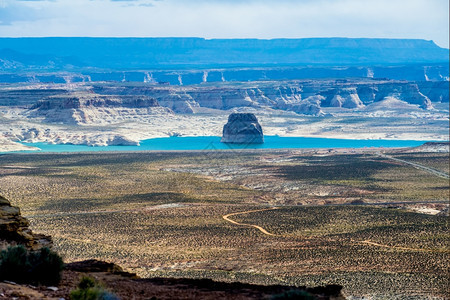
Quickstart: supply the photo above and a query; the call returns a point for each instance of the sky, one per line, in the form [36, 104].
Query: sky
[421, 19]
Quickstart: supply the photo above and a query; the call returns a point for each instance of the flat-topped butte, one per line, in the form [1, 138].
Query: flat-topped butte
[242, 128]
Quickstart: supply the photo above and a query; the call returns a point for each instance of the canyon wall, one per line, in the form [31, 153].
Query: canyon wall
[106, 103]
[411, 72]
[304, 97]
[85, 108]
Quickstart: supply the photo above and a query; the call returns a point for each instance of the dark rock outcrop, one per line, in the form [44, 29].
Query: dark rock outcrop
[242, 128]
[95, 266]
[14, 229]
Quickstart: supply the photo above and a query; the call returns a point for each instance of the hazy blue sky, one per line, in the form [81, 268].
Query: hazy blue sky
[425, 19]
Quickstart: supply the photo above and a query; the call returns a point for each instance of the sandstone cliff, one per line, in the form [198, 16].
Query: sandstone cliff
[436, 91]
[303, 97]
[342, 97]
[88, 108]
[14, 229]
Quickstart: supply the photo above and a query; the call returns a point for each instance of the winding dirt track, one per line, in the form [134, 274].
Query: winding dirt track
[367, 242]
[227, 218]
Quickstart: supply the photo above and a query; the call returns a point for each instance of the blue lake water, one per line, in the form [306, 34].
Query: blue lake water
[213, 143]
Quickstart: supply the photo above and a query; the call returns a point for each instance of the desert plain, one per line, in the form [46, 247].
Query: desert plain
[372, 220]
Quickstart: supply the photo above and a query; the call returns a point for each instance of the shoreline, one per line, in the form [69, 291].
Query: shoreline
[209, 143]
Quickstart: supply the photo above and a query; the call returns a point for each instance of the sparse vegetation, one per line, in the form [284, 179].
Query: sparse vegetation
[161, 215]
[438, 161]
[37, 267]
[89, 289]
[294, 294]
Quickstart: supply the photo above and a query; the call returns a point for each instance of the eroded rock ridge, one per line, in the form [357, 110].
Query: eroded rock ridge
[14, 229]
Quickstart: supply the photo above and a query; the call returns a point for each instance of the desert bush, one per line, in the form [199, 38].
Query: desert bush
[89, 289]
[46, 266]
[36, 267]
[14, 264]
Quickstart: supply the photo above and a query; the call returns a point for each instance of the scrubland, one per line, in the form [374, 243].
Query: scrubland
[341, 217]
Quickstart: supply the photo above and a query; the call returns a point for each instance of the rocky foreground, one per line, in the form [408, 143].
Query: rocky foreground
[129, 286]
[14, 229]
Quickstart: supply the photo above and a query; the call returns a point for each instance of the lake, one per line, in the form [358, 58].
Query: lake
[213, 143]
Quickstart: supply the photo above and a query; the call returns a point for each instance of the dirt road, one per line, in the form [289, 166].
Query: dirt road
[417, 166]
[367, 242]
[227, 218]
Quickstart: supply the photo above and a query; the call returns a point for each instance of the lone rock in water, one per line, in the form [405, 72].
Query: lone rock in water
[242, 128]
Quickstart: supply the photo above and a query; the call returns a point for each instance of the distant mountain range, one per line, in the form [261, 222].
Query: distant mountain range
[79, 53]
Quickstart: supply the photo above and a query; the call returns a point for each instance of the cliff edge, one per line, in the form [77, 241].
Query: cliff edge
[14, 229]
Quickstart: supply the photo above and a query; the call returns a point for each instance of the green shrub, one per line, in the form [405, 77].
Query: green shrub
[46, 266]
[14, 264]
[293, 294]
[37, 267]
[89, 289]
